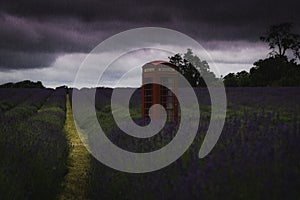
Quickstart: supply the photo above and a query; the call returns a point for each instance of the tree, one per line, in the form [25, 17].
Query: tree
[270, 71]
[281, 38]
[23, 84]
[240, 79]
[192, 68]
[230, 80]
[243, 78]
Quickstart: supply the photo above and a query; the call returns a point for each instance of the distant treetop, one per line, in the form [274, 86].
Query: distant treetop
[193, 68]
[281, 39]
[23, 84]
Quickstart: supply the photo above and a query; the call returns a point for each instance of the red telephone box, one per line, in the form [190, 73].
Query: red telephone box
[165, 73]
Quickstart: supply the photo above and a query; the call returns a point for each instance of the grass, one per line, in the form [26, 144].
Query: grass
[78, 161]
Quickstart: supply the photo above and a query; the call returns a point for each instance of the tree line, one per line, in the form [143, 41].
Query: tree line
[278, 69]
[23, 84]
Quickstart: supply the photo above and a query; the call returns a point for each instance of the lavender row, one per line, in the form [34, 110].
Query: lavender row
[256, 157]
[28, 107]
[36, 163]
[11, 97]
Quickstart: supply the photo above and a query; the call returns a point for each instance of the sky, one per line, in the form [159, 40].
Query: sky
[48, 40]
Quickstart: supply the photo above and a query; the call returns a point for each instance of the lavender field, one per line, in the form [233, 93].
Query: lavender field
[256, 157]
[33, 145]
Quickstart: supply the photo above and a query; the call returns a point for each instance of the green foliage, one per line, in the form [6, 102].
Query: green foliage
[292, 78]
[230, 80]
[240, 79]
[274, 71]
[23, 84]
[193, 69]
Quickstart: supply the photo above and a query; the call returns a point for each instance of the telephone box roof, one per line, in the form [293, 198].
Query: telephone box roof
[159, 62]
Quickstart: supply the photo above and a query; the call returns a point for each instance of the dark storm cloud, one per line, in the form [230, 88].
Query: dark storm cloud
[24, 60]
[89, 10]
[33, 33]
[23, 34]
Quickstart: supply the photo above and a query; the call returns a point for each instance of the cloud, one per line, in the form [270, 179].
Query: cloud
[237, 52]
[22, 60]
[62, 71]
[34, 34]
[125, 70]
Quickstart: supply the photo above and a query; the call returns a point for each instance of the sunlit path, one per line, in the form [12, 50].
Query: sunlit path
[76, 180]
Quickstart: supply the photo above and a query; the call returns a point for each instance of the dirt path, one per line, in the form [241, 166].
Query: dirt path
[76, 180]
